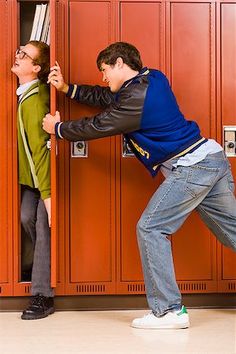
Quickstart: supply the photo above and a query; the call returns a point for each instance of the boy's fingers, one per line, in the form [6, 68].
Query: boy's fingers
[52, 74]
[55, 69]
[57, 115]
[51, 78]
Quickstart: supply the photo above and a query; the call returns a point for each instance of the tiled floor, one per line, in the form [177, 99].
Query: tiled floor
[211, 331]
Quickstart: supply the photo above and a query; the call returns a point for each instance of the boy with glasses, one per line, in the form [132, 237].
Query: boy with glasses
[31, 66]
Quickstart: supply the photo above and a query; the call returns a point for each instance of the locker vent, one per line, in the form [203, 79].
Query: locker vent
[27, 289]
[232, 286]
[192, 286]
[91, 288]
[136, 288]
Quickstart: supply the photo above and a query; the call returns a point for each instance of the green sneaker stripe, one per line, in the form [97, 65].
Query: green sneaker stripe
[183, 310]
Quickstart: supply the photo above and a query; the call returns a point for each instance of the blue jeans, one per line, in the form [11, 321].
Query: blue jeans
[208, 187]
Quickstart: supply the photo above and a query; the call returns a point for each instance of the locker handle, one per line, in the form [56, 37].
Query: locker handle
[229, 136]
[79, 149]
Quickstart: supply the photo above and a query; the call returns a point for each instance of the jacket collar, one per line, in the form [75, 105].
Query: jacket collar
[143, 71]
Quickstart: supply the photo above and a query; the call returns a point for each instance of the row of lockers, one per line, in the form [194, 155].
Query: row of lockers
[100, 196]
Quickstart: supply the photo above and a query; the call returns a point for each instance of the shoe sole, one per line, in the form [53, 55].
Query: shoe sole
[170, 326]
[46, 314]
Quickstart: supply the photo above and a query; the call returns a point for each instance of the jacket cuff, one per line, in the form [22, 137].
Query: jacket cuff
[57, 130]
[73, 91]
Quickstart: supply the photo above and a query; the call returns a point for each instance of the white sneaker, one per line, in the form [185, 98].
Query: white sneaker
[173, 319]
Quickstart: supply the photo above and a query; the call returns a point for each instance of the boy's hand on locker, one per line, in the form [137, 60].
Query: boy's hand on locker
[49, 122]
[56, 79]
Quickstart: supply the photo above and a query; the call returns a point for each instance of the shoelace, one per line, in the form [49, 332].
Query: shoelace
[150, 314]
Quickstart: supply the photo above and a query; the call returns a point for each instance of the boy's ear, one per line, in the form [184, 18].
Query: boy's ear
[119, 62]
[36, 68]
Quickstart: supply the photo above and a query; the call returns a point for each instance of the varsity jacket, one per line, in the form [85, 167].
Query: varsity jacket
[144, 110]
[33, 153]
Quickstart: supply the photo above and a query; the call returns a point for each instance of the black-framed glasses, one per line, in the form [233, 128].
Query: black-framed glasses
[21, 54]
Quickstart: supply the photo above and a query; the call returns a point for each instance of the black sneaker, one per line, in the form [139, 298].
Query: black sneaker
[39, 307]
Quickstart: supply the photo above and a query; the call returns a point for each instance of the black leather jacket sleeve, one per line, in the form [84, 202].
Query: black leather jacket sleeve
[95, 96]
[122, 116]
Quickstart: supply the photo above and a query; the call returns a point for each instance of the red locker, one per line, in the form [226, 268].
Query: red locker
[192, 69]
[6, 256]
[134, 184]
[227, 113]
[21, 15]
[101, 195]
[90, 248]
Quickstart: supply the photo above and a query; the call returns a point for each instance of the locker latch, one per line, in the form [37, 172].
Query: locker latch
[229, 135]
[79, 149]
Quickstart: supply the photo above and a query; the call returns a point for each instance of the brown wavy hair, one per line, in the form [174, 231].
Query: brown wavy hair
[126, 51]
[43, 59]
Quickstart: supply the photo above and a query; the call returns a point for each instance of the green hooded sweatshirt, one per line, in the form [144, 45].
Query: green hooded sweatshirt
[32, 139]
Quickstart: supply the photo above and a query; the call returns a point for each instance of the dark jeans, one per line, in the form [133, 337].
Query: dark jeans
[34, 221]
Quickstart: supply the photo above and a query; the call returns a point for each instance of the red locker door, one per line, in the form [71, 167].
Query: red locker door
[90, 247]
[6, 258]
[54, 189]
[19, 10]
[19, 288]
[134, 184]
[192, 73]
[227, 88]
[188, 57]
